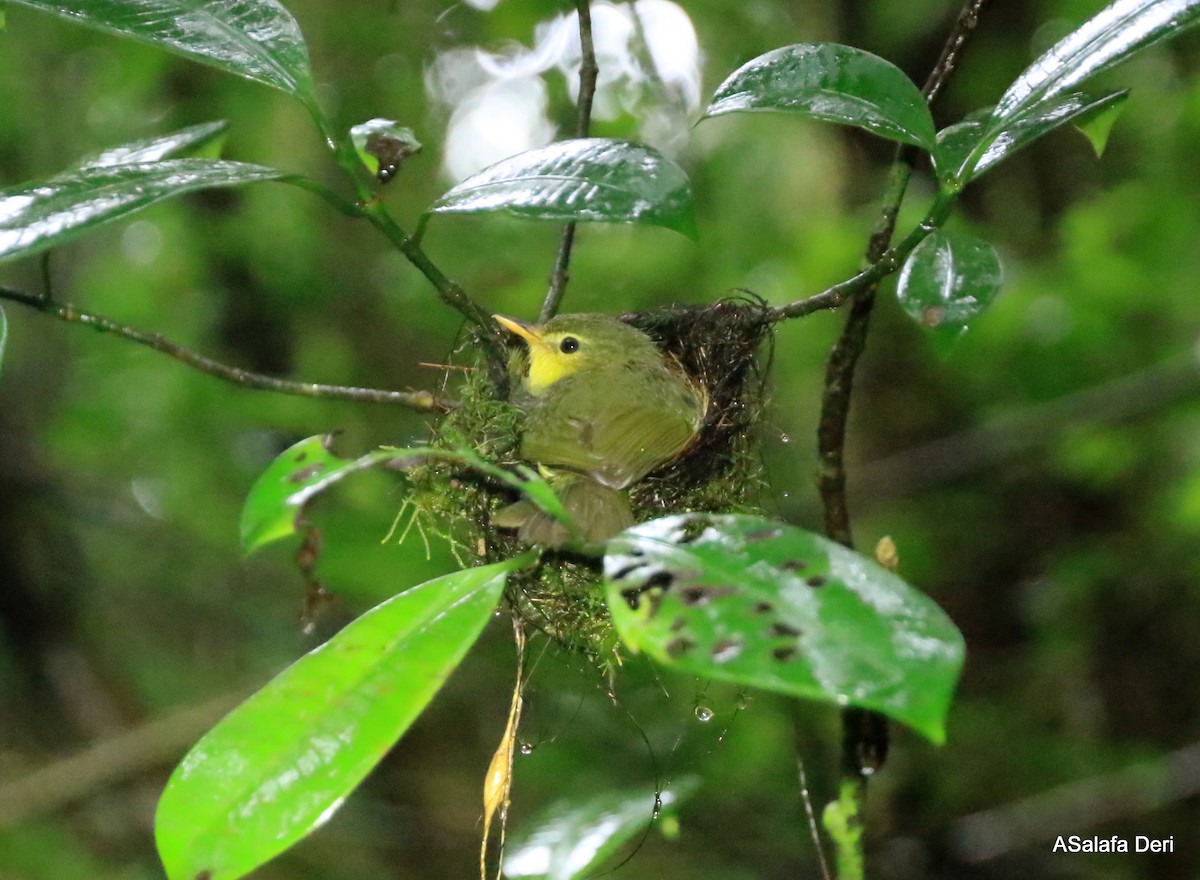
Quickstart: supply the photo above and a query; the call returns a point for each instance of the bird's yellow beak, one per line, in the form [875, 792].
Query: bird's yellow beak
[525, 331]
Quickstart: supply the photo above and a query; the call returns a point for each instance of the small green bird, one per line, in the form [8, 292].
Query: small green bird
[603, 408]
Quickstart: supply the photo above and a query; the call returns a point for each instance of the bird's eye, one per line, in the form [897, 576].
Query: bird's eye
[569, 345]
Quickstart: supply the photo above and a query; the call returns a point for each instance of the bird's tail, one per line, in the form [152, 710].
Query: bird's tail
[599, 511]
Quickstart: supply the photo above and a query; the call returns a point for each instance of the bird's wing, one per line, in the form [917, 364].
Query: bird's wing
[618, 445]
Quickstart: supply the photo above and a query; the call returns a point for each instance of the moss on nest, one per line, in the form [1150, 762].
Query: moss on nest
[724, 346]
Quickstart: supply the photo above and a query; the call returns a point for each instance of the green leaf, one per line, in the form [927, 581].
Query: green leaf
[281, 764]
[765, 604]
[948, 279]
[834, 83]
[255, 39]
[584, 179]
[1110, 37]
[571, 839]
[1097, 123]
[964, 151]
[155, 149]
[383, 145]
[308, 468]
[44, 214]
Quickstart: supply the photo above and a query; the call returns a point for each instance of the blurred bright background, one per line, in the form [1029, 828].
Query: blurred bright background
[1041, 478]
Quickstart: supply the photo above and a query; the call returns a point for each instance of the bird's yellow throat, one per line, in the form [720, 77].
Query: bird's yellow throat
[552, 356]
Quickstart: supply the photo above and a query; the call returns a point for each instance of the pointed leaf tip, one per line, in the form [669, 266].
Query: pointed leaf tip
[42, 214]
[281, 764]
[1111, 36]
[185, 141]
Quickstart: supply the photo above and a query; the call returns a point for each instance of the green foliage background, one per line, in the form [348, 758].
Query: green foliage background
[1042, 479]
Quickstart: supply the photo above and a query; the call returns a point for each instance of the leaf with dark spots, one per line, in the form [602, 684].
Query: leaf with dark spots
[850, 631]
[698, 594]
[625, 570]
[725, 650]
[679, 646]
[654, 600]
[779, 629]
[307, 474]
[660, 580]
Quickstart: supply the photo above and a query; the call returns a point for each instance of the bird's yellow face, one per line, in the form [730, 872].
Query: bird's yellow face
[553, 354]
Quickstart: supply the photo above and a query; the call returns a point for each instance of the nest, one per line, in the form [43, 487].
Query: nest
[725, 347]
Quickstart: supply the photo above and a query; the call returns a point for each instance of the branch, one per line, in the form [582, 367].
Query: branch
[588, 72]
[865, 733]
[839, 372]
[126, 755]
[421, 401]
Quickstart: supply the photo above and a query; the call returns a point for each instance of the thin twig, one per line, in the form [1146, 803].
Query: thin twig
[422, 401]
[839, 375]
[370, 206]
[588, 72]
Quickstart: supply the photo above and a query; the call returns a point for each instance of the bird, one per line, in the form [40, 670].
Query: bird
[602, 407]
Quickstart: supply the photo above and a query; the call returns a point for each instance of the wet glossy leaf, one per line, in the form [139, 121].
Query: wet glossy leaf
[281, 764]
[256, 39]
[1110, 37]
[765, 604]
[966, 150]
[186, 140]
[948, 279]
[306, 469]
[44, 214]
[834, 83]
[383, 145]
[571, 839]
[583, 179]
[3, 337]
